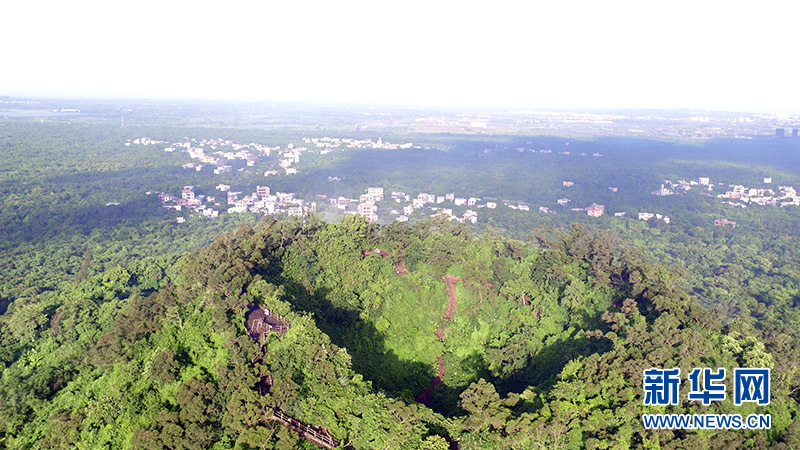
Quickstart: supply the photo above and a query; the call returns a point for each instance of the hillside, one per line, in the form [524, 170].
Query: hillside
[399, 336]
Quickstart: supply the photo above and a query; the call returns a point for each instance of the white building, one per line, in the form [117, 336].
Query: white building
[471, 216]
[368, 210]
[376, 193]
[426, 198]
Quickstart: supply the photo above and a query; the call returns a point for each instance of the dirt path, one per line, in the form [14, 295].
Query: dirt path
[452, 303]
[425, 395]
[450, 283]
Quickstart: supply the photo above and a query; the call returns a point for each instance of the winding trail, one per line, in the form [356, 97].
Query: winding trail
[452, 303]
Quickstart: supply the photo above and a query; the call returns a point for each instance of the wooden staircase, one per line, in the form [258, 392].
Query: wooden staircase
[317, 435]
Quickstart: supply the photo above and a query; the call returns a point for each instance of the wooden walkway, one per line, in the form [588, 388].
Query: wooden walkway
[317, 435]
[259, 324]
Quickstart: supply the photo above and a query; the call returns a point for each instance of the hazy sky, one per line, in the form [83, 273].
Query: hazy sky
[730, 55]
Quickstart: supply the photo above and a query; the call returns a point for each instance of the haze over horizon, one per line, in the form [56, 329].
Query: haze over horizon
[727, 56]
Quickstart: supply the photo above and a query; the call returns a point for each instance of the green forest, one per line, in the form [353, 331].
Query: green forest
[121, 329]
[544, 348]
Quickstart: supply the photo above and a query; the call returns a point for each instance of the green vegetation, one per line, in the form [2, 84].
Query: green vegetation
[546, 347]
[120, 328]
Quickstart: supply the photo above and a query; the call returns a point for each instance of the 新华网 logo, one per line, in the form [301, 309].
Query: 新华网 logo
[662, 386]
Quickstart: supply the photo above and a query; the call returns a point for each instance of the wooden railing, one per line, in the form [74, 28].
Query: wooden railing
[316, 435]
[277, 328]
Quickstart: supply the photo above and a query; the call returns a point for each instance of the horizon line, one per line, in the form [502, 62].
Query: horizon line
[404, 106]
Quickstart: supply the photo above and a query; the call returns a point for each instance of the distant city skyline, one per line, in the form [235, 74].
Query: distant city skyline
[727, 56]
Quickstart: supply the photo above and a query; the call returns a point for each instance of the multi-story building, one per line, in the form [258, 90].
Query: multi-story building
[187, 193]
[376, 193]
[368, 210]
[262, 191]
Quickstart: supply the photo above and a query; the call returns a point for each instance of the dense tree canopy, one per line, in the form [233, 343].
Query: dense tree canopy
[121, 329]
[545, 346]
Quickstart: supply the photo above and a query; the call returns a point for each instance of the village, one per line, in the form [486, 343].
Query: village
[398, 206]
[219, 154]
[401, 207]
[262, 201]
[736, 194]
[436, 205]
